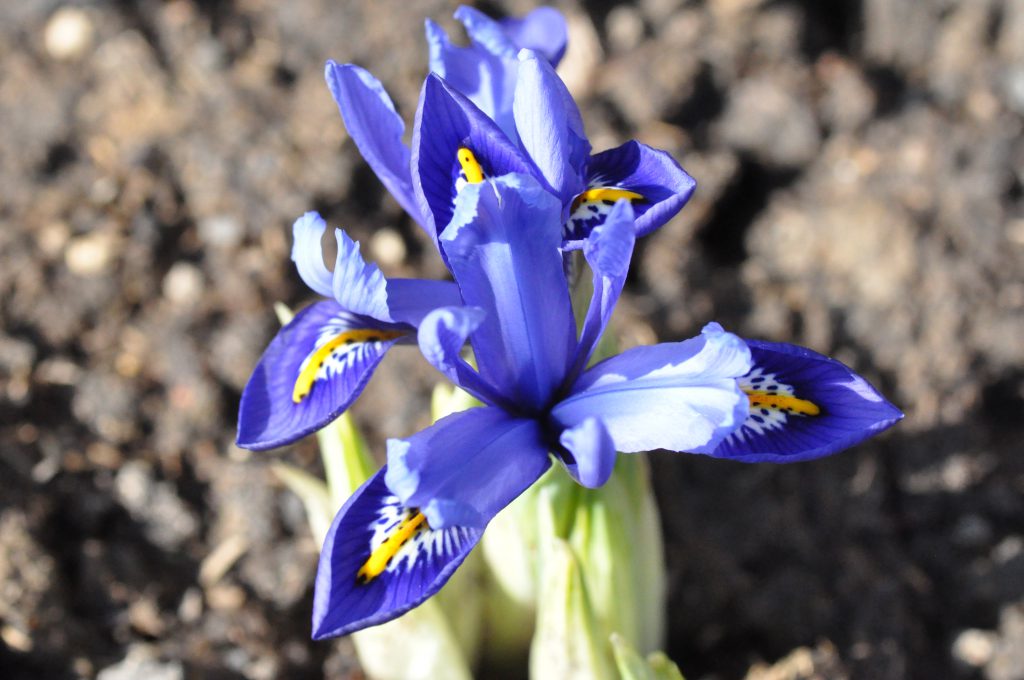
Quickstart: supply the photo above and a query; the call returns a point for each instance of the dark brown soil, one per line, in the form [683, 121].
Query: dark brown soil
[861, 192]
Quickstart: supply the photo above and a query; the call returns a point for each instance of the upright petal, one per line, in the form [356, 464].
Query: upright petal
[381, 559]
[680, 396]
[376, 128]
[312, 371]
[608, 252]
[359, 287]
[550, 127]
[803, 405]
[455, 144]
[543, 30]
[308, 253]
[588, 452]
[466, 467]
[649, 178]
[502, 246]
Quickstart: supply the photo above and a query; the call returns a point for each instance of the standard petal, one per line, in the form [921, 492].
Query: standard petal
[454, 144]
[313, 369]
[680, 396]
[308, 253]
[466, 467]
[803, 405]
[589, 453]
[608, 252]
[543, 30]
[376, 128]
[441, 337]
[381, 559]
[502, 246]
[651, 179]
[550, 127]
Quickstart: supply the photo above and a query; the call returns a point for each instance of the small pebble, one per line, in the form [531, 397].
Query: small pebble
[975, 647]
[68, 34]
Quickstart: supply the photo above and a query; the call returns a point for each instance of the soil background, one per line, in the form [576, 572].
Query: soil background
[861, 191]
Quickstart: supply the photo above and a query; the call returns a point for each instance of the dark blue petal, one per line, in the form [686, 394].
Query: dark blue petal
[381, 559]
[589, 452]
[608, 252]
[680, 396]
[463, 469]
[502, 247]
[445, 123]
[376, 129]
[543, 30]
[280, 405]
[803, 405]
[660, 188]
[550, 127]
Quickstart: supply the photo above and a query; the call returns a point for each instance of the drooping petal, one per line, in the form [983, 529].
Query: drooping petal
[312, 371]
[651, 179]
[502, 247]
[543, 30]
[680, 396]
[608, 252]
[591, 452]
[381, 559]
[487, 79]
[550, 127]
[409, 300]
[466, 467]
[376, 128]
[308, 253]
[455, 144]
[803, 405]
[441, 337]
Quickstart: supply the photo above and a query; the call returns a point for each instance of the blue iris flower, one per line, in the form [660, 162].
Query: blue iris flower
[403, 534]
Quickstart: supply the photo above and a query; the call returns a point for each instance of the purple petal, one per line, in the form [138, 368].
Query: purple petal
[591, 452]
[441, 338]
[659, 188]
[680, 396]
[550, 127]
[376, 129]
[409, 300]
[445, 123]
[282, 402]
[803, 405]
[381, 559]
[502, 246]
[466, 467]
[543, 30]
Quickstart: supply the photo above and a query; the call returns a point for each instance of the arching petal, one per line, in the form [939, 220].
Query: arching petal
[312, 371]
[381, 559]
[358, 286]
[651, 179]
[502, 247]
[543, 30]
[466, 467]
[680, 396]
[308, 253]
[589, 454]
[803, 405]
[409, 300]
[376, 128]
[455, 144]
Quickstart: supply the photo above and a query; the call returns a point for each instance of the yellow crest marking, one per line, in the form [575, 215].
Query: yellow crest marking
[304, 383]
[604, 194]
[471, 167]
[782, 402]
[379, 558]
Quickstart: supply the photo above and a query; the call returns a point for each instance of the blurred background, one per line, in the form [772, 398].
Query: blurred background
[861, 191]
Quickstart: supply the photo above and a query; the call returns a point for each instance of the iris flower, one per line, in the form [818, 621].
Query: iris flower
[402, 534]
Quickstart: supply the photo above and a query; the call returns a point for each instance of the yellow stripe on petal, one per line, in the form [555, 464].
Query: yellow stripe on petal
[782, 402]
[604, 194]
[304, 383]
[471, 167]
[383, 554]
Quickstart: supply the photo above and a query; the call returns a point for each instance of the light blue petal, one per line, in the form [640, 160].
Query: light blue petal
[441, 337]
[681, 396]
[466, 467]
[409, 300]
[543, 30]
[591, 452]
[376, 129]
[550, 127]
[358, 287]
[503, 248]
[308, 253]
